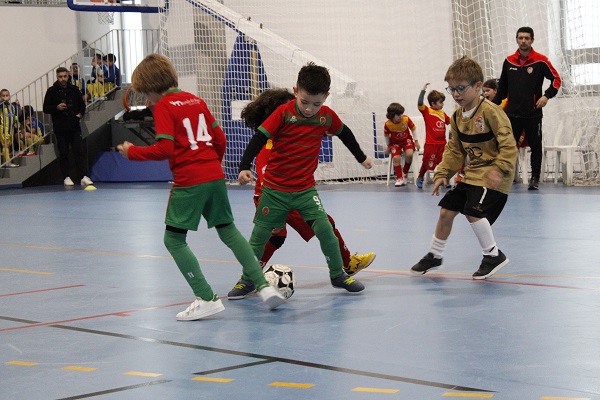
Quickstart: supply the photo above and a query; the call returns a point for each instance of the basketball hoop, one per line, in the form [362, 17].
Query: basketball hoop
[106, 18]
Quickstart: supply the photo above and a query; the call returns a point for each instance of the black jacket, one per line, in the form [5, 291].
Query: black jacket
[67, 119]
[522, 84]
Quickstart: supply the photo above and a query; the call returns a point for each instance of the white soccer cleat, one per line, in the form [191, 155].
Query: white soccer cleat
[201, 309]
[68, 182]
[271, 297]
[85, 181]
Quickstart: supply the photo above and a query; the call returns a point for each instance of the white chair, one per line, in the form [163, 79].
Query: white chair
[564, 153]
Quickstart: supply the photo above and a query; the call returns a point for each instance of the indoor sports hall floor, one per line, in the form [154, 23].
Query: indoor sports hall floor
[89, 294]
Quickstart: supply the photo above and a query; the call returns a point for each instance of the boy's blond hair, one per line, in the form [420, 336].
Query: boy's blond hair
[154, 74]
[464, 69]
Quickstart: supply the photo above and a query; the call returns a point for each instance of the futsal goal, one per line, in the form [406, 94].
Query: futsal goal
[381, 52]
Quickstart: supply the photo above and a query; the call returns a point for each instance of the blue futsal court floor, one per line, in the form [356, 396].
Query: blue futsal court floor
[89, 294]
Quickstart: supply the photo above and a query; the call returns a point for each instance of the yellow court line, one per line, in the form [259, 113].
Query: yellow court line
[76, 368]
[564, 398]
[26, 271]
[207, 379]
[375, 390]
[472, 395]
[22, 363]
[293, 385]
[136, 373]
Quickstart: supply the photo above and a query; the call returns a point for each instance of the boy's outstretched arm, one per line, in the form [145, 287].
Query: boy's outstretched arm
[347, 137]
[422, 95]
[254, 147]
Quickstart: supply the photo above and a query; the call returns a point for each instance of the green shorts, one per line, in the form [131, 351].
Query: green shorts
[188, 204]
[274, 207]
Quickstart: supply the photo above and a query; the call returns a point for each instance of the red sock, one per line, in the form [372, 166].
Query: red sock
[398, 171]
[343, 249]
[270, 248]
[406, 167]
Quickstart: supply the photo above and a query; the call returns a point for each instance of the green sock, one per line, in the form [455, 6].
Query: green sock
[242, 251]
[330, 247]
[188, 264]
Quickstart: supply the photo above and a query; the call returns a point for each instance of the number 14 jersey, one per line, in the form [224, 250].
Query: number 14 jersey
[188, 136]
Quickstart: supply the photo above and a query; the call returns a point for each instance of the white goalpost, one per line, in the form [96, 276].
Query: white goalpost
[229, 51]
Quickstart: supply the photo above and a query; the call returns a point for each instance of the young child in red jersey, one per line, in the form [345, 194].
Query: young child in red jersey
[191, 139]
[435, 130]
[253, 115]
[398, 137]
[297, 129]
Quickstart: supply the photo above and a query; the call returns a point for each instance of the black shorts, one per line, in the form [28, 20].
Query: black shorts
[475, 201]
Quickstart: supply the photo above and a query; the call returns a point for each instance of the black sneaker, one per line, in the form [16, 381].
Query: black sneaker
[490, 265]
[241, 290]
[427, 263]
[534, 184]
[344, 281]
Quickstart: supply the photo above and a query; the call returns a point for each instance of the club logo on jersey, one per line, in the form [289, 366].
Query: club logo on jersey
[265, 211]
[293, 120]
[322, 121]
[529, 70]
[440, 124]
[480, 124]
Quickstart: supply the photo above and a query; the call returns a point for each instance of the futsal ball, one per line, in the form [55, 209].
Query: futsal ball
[283, 278]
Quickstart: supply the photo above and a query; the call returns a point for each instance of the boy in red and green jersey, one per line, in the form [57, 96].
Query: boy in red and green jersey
[188, 136]
[297, 129]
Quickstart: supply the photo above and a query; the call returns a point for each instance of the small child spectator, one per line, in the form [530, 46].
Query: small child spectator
[398, 138]
[32, 131]
[95, 85]
[77, 80]
[9, 127]
[435, 130]
[482, 130]
[112, 74]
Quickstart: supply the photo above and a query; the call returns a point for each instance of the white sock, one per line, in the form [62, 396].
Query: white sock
[437, 247]
[483, 231]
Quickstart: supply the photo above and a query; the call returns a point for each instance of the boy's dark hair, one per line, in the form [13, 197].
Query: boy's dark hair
[257, 111]
[61, 69]
[491, 83]
[525, 29]
[98, 56]
[26, 112]
[111, 57]
[435, 96]
[394, 109]
[314, 79]
[464, 69]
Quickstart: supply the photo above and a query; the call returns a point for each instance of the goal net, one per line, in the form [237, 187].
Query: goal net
[229, 51]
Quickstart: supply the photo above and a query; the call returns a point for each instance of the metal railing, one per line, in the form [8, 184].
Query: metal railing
[129, 46]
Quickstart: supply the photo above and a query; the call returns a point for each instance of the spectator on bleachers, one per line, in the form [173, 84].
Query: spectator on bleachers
[95, 85]
[79, 81]
[31, 134]
[9, 127]
[112, 74]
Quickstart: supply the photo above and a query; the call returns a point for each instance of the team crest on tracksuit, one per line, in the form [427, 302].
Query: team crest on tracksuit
[479, 124]
[265, 211]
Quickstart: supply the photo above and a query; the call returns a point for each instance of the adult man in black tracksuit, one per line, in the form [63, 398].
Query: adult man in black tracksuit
[521, 81]
[64, 102]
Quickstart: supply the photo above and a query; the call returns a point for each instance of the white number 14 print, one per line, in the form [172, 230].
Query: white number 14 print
[201, 135]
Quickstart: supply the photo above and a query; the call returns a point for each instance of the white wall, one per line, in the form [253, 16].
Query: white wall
[35, 40]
